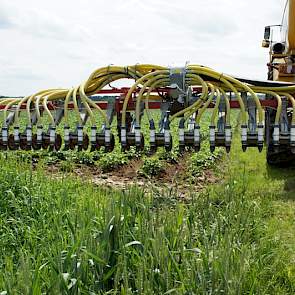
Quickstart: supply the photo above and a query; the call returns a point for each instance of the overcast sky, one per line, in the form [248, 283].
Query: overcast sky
[58, 43]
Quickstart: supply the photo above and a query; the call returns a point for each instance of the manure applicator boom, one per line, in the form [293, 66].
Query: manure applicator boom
[183, 94]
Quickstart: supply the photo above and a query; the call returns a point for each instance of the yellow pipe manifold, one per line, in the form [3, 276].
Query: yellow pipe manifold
[147, 77]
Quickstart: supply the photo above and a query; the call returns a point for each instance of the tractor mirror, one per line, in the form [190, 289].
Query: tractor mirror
[266, 41]
[267, 33]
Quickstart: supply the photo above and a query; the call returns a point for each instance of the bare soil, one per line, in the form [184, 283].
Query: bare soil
[174, 177]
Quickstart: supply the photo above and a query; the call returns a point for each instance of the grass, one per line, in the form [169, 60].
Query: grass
[62, 236]
[66, 236]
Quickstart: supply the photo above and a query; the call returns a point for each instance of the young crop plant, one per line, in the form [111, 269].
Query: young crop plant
[109, 162]
[152, 167]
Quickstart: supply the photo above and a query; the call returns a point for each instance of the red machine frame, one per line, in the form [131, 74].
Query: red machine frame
[120, 94]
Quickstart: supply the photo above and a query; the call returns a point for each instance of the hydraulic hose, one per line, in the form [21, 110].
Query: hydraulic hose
[76, 107]
[16, 114]
[159, 83]
[215, 88]
[219, 77]
[215, 110]
[292, 100]
[87, 101]
[9, 104]
[29, 102]
[207, 103]
[141, 92]
[253, 94]
[37, 103]
[131, 90]
[194, 79]
[286, 89]
[201, 103]
[48, 97]
[279, 107]
[227, 103]
[66, 106]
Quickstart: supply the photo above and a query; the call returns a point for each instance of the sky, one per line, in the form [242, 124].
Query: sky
[59, 43]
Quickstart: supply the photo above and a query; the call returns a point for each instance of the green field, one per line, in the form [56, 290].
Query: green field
[63, 234]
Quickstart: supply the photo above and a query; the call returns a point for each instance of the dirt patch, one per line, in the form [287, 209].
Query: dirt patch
[174, 177]
[128, 171]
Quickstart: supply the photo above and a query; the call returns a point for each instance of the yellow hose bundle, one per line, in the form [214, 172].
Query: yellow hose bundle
[147, 77]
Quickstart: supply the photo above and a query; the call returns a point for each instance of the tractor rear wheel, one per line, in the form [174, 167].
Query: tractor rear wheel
[280, 156]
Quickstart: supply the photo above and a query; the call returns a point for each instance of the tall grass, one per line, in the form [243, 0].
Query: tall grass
[61, 236]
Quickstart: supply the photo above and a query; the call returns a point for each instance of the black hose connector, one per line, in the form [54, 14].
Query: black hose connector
[153, 145]
[260, 139]
[124, 144]
[80, 137]
[244, 135]
[181, 135]
[167, 136]
[197, 137]
[212, 137]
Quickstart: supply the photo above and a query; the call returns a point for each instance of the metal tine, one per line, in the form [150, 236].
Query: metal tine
[34, 117]
[84, 116]
[111, 111]
[221, 116]
[106, 136]
[186, 135]
[83, 113]
[191, 122]
[164, 109]
[10, 118]
[59, 113]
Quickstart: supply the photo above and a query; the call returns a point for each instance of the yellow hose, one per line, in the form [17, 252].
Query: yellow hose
[279, 107]
[9, 104]
[51, 96]
[6, 100]
[158, 83]
[76, 108]
[134, 86]
[148, 77]
[292, 100]
[215, 75]
[66, 106]
[110, 71]
[227, 117]
[215, 110]
[37, 104]
[274, 89]
[86, 100]
[196, 79]
[27, 99]
[207, 103]
[253, 94]
[16, 115]
[31, 98]
[142, 90]
[201, 103]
